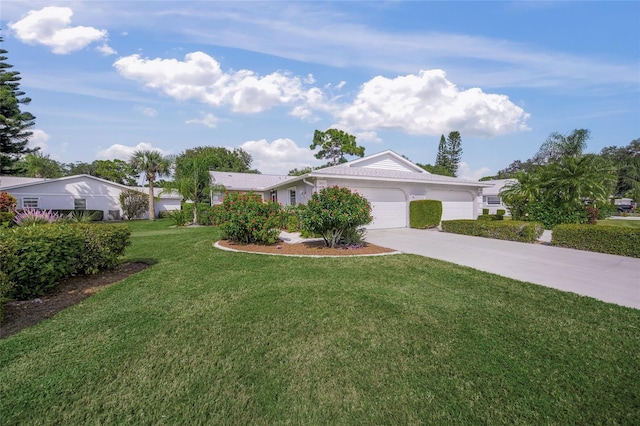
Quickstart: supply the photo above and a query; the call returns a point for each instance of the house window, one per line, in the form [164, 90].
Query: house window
[493, 200]
[292, 196]
[274, 195]
[30, 203]
[216, 198]
[79, 204]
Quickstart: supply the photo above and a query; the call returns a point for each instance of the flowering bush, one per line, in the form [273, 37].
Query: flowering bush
[245, 218]
[334, 212]
[7, 209]
[29, 217]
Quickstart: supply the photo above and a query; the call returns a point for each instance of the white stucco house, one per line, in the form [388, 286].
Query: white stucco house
[79, 192]
[491, 195]
[386, 179]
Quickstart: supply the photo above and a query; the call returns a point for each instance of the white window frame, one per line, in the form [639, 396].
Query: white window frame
[292, 196]
[493, 200]
[75, 203]
[27, 202]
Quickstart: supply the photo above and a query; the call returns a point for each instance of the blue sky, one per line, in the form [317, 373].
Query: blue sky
[107, 78]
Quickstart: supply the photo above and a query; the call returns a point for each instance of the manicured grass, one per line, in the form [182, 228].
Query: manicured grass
[212, 337]
[625, 223]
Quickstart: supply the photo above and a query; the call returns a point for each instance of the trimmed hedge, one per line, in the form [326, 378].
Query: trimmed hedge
[526, 232]
[425, 214]
[599, 238]
[36, 258]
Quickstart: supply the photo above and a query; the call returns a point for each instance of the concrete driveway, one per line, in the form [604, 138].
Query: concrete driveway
[614, 279]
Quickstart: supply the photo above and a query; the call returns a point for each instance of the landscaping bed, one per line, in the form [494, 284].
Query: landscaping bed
[307, 248]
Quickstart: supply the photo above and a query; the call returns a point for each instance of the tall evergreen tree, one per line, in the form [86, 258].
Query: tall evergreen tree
[454, 152]
[442, 158]
[14, 123]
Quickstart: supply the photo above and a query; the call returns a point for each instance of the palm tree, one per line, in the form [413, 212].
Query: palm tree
[40, 165]
[572, 180]
[192, 180]
[152, 164]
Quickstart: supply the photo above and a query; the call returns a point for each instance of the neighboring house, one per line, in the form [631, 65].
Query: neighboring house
[386, 179]
[491, 196]
[79, 192]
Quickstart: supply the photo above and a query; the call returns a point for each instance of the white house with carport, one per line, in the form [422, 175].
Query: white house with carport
[79, 192]
[491, 195]
[386, 179]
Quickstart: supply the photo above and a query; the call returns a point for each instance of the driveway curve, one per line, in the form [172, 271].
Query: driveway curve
[613, 279]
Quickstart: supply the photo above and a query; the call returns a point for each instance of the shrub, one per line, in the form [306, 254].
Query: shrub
[245, 218]
[103, 246]
[606, 210]
[551, 215]
[501, 212]
[134, 204]
[485, 217]
[7, 211]
[485, 211]
[179, 217]
[512, 230]
[424, 214]
[203, 212]
[602, 238]
[592, 214]
[36, 258]
[333, 211]
[8, 260]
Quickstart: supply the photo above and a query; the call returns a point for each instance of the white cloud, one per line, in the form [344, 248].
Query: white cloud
[465, 172]
[106, 50]
[50, 26]
[38, 139]
[208, 120]
[200, 77]
[430, 104]
[148, 111]
[279, 156]
[123, 152]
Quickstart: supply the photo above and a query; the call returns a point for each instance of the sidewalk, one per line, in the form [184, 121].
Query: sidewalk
[614, 279]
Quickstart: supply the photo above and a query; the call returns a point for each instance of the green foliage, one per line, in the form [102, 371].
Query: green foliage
[179, 217]
[14, 123]
[40, 165]
[485, 217]
[527, 232]
[436, 170]
[7, 209]
[220, 159]
[245, 218]
[556, 193]
[300, 172]
[203, 212]
[602, 238]
[449, 154]
[559, 146]
[501, 212]
[133, 203]
[606, 210]
[424, 214]
[334, 145]
[334, 210]
[36, 258]
[8, 260]
[485, 211]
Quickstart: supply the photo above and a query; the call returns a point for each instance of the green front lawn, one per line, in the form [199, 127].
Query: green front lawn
[625, 223]
[212, 337]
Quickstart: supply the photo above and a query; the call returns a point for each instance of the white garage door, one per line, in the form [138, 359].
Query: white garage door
[455, 204]
[388, 207]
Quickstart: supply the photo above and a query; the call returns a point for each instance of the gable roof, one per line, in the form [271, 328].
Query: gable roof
[248, 181]
[30, 182]
[385, 160]
[6, 181]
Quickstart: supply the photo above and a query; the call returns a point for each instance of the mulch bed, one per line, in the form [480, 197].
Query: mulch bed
[306, 248]
[22, 314]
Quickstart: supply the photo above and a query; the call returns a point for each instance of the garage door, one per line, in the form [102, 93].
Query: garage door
[388, 207]
[455, 204]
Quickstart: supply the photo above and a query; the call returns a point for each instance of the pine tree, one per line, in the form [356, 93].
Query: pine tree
[454, 152]
[442, 158]
[14, 123]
